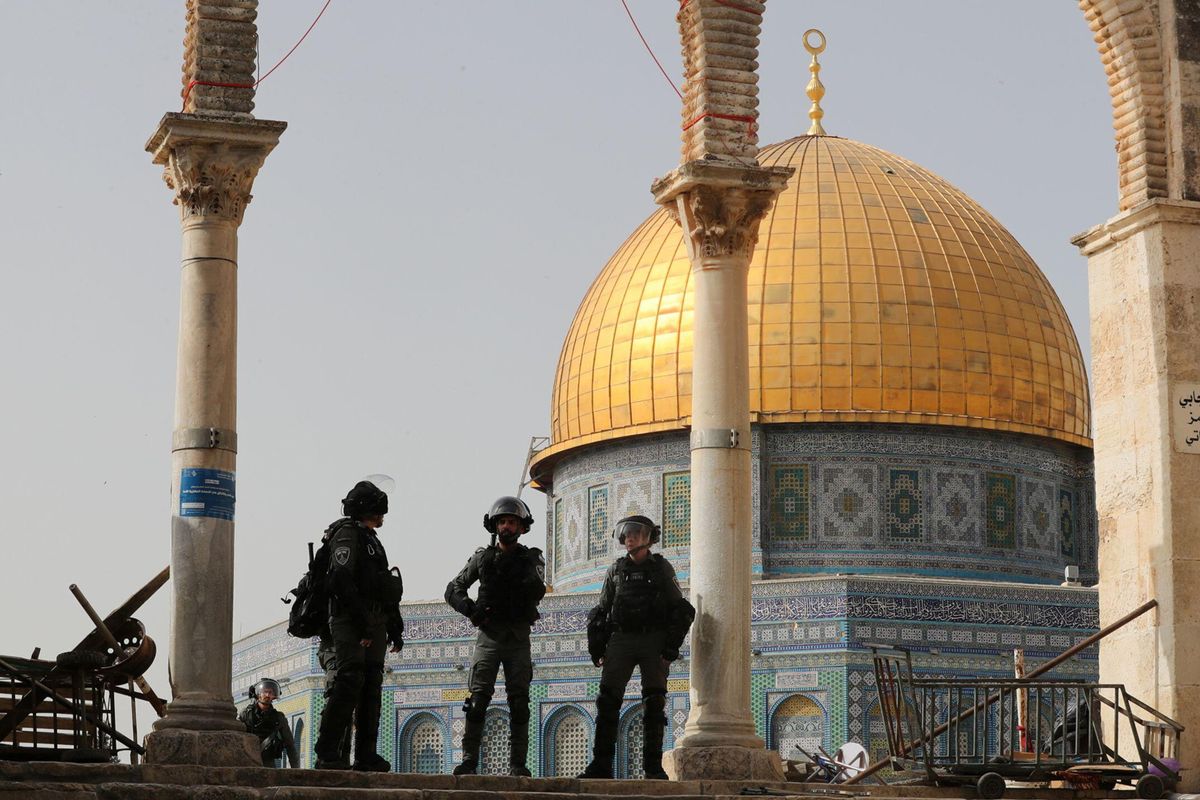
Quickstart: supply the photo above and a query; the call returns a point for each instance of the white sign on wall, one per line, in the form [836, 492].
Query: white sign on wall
[796, 680]
[1185, 417]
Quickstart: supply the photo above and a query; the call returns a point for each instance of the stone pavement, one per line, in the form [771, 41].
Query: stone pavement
[54, 781]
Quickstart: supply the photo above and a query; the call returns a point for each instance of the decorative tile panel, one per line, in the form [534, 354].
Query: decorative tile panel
[597, 521]
[903, 505]
[1000, 510]
[1067, 543]
[677, 509]
[789, 501]
[847, 504]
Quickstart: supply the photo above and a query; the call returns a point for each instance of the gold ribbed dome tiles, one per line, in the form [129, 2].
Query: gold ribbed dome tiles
[878, 292]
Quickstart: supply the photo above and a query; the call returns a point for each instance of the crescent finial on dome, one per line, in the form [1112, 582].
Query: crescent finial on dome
[815, 89]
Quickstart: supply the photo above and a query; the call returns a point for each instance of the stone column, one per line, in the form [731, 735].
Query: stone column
[1144, 282]
[720, 207]
[210, 155]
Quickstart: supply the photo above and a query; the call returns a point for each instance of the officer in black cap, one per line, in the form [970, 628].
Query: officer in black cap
[511, 584]
[641, 621]
[269, 724]
[364, 619]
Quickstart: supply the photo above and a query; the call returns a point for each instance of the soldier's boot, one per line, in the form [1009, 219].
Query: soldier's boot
[518, 735]
[335, 719]
[366, 728]
[608, 706]
[654, 724]
[476, 708]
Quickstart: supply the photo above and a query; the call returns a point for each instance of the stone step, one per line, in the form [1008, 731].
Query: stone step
[53, 780]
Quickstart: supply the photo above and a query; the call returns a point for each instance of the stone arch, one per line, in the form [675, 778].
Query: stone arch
[423, 744]
[629, 743]
[496, 748]
[798, 719]
[567, 742]
[1128, 38]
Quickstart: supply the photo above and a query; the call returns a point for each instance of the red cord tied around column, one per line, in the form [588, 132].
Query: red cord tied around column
[727, 4]
[735, 117]
[187, 91]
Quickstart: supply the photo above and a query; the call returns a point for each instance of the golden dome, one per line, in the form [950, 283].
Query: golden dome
[878, 293]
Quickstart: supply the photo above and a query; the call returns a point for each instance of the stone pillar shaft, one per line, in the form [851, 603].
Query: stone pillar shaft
[210, 165]
[720, 501]
[720, 206]
[1144, 282]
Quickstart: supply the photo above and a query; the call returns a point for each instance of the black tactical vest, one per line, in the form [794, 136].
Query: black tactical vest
[638, 602]
[506, 583]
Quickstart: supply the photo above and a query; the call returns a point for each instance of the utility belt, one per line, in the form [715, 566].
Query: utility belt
[637, 628]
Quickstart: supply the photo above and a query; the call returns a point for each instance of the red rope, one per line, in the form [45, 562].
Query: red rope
[748, 120]
[727, 4]
[648, 50]
[187, 92]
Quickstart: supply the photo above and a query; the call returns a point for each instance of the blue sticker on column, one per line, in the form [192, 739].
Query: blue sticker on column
[206, 493]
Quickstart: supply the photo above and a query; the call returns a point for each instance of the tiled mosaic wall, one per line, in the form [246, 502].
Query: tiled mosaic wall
[810, 654]
[850, 498]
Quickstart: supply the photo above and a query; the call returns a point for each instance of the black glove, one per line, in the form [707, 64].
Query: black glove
[479, 616]
[670, 655]
[396, 638]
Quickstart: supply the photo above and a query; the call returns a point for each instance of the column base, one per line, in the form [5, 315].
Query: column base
[203, 748]
[722, 763]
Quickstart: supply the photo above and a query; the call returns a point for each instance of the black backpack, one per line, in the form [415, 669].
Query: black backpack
[310, 613]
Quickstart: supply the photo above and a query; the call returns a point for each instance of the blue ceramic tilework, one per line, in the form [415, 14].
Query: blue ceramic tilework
[1001, 510]
[597, 521]
[903, 505]
[677, 509]
[1066, 523]
[789, 502]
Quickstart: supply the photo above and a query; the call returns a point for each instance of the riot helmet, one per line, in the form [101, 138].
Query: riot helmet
[265, 685]
[637, 522]
[512, 506]
[365, 500]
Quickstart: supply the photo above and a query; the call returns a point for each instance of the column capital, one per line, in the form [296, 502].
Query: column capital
[720, 205]
[210, 164]
[1157, 211]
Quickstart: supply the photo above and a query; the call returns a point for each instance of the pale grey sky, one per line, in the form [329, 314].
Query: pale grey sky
[454, 175]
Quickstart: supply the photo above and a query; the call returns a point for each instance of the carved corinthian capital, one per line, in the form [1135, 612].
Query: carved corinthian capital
[210, 165]
[720, 206]
[212, 180]
[722, 221]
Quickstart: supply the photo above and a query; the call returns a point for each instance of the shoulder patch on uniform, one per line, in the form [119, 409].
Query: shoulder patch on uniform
[341, 556]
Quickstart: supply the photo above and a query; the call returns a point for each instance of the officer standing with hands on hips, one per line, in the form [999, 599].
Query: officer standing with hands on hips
[364, 618]
[269, 724]
[511, 584]
[641, 621]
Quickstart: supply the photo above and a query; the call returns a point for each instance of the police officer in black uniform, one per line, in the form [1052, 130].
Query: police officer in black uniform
[364, 618]
[269, 724]
[511, 584]
[641, 621]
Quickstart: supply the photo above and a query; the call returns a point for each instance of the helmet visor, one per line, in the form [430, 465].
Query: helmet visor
[627, 527]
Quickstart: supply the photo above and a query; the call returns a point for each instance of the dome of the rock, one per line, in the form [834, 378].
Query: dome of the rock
[887, 306]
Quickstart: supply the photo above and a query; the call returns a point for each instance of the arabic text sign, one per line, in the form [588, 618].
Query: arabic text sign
[1185, 417]
[206, 493]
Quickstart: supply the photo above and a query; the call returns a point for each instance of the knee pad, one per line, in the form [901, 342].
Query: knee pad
[476, 706]
[654, 702]
[609, 700]
[518, 708]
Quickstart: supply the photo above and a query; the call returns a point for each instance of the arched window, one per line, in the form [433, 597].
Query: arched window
[798, 720]
[568, 739]
[423, 746]
[496, 748]
[629, 744]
